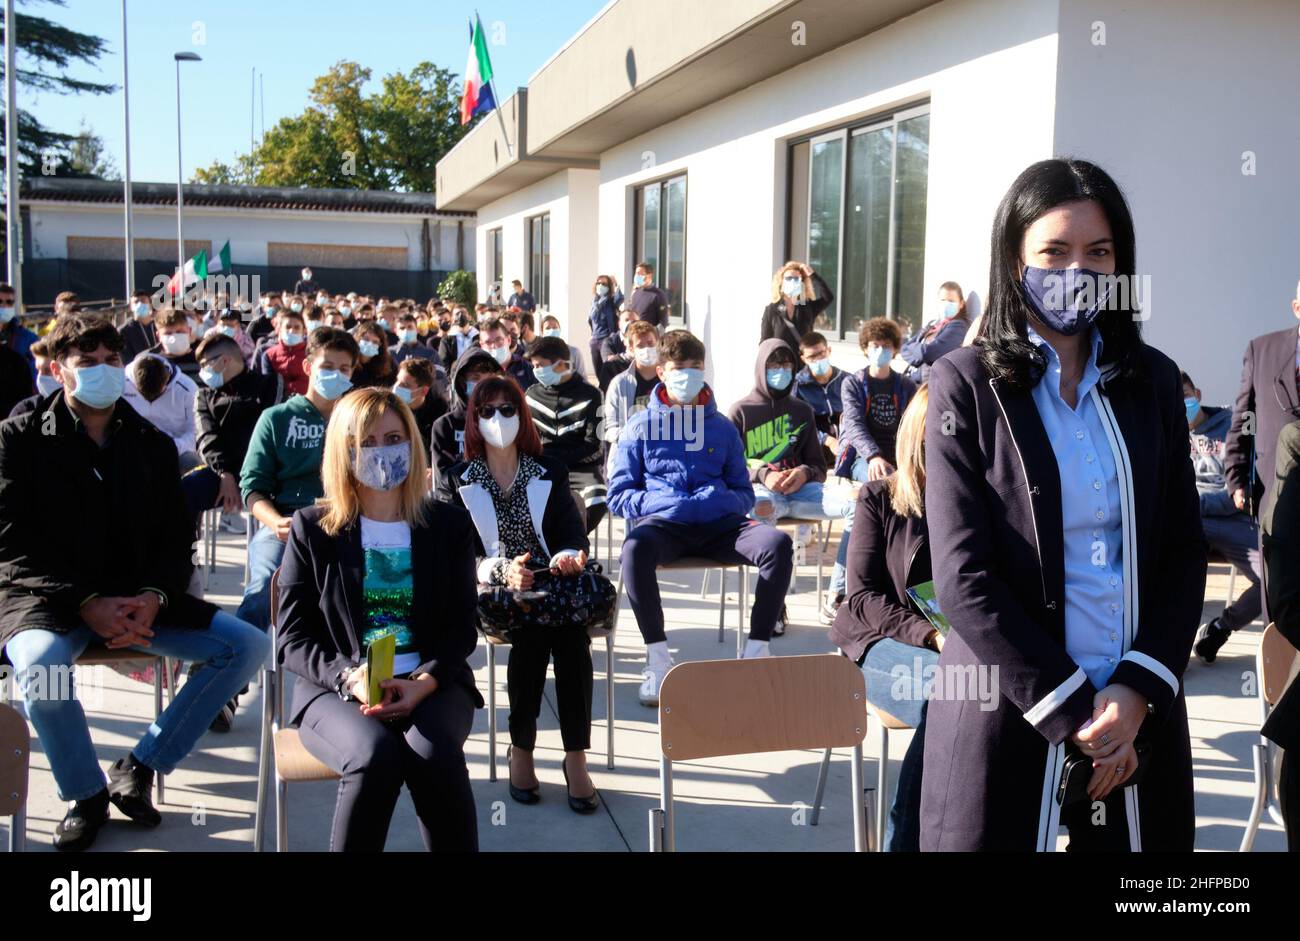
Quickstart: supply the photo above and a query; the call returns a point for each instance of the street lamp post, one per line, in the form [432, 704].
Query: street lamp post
[180, 173]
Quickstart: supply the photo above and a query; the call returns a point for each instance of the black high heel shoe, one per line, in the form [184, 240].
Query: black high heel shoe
[523, 795]
[579, 805]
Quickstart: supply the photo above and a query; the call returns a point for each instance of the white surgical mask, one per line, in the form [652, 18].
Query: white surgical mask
[792, 287]
[499, 432]
[47, 385]
[647, 356]
[502, 354]
[175, 344]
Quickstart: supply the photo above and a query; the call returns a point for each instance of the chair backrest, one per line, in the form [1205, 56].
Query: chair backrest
[714, 708]
[1279, 664]
[15, 756]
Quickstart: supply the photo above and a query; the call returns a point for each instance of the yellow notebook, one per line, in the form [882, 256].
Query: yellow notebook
[379, 665]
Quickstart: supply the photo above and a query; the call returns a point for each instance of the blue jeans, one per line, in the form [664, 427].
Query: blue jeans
[890, 669]
[859, 470]
[265, 551]
[229, 652]
[812, 501]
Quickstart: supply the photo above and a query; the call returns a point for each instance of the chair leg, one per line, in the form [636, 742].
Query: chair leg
[704, 584]
[743, 607]
[1232, 583]
[822, 774]
[882, 787]
[492, 712]
[18, 831]
[609, 701]
[264, 758]
[722, 602]
[820, 566]
[159, 670]
[859, 812]
[666, 802]
[281, 817]
[609, 541]
[1261, 798]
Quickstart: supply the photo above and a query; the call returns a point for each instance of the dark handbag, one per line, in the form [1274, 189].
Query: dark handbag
[587, 602]
[1078, 771]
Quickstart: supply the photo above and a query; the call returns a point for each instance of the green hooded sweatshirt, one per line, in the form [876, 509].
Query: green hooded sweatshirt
[284, 456]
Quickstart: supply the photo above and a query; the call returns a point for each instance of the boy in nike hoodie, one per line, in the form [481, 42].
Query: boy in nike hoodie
[679, 478]
[786, 462]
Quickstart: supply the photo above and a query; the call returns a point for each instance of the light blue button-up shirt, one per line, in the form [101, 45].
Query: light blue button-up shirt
[1090, 517]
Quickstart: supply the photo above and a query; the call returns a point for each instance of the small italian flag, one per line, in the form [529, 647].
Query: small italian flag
[477, 97]
[198, 268]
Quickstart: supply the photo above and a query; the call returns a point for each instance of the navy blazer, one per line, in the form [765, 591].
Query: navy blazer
[321, 617]
[1268, 391]
[993, 505]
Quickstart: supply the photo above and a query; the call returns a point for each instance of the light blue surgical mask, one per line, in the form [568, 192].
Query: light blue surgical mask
[547, 375]
[792, 287]
[551, 333]
[312, 325]
[602, 289]
[47, 385]
[7, 314]
[879, 356]
[296, 307]
[684, 384]
[330, 383]
[369, 348]
[950, 308]
[383, 467]
[639, 281]
[469, 387]
[212, 378]
[1193, 406]
[410, 336]
[141, 310]
[820, 367]
[779, 377]
[404, 394]
[228, 331]
[292, 339]
[502, 354]
[99, 386]
[345, 310]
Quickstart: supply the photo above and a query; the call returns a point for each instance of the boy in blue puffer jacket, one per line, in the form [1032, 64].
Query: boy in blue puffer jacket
[679, 475]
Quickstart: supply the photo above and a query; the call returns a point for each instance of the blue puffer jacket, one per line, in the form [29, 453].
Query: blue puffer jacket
[603, 318]
[665, 467]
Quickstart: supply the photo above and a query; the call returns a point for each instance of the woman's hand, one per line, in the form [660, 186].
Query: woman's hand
[1106, 773]
[518, 577]
[401, 697]
[878, 468]
[1117, 714]
[358, 684]
[571, 564]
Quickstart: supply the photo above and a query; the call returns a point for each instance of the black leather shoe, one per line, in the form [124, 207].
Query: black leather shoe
[778, 629]
[78, 829]
[579, 805]
[525, 795]
[1209, 639]
[225, 719]
[129, 788]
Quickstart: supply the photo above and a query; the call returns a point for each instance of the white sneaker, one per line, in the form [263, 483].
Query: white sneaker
[233, 523]
[754, 649]
[651, 680]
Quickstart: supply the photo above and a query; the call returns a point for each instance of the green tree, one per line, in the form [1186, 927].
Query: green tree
[50, 50]
[389, 139]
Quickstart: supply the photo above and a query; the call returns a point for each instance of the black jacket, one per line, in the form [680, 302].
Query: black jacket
[1281, 540]
[776, 325]
[447, 350]
[65, 536]
[136, 338]
[1268, 391]
[186, 362]
[993, 507]
[15, 380]
[548, 496]
[228, 415]
[567, 417]
[448, 446]
[321, 604]
[887, 555]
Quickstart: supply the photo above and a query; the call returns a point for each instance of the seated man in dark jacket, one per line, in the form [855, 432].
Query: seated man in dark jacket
[95, 547]
[448, 445]
[566, 411]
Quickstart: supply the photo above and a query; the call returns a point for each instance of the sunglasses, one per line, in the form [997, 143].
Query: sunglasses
[487, 412]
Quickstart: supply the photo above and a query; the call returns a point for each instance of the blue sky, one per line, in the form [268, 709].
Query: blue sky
[290, 42]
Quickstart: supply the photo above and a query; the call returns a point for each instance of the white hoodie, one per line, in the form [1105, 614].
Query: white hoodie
[172, 413]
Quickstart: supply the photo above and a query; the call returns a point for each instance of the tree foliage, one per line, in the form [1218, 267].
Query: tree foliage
[390, 138]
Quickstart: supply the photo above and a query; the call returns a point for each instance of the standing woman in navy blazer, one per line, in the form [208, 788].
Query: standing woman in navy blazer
[1066, 542]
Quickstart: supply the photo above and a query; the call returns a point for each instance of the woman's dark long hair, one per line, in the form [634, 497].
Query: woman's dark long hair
[1005, 349]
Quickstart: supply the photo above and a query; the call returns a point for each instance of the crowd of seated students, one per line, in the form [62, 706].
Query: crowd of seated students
[424, 453]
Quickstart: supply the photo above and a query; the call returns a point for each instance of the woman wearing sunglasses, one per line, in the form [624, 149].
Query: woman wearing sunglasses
[376, 557]
[527, 522]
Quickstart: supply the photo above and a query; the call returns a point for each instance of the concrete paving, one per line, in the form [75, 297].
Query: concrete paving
[754, 803]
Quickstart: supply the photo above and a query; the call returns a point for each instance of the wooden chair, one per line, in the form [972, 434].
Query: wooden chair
[884, 722]
[716, 708]
[15, 759]
[1276, 666]
[282, 752]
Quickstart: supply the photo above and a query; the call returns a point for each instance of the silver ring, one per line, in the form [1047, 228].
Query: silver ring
[1120, 770]
[1103, 738]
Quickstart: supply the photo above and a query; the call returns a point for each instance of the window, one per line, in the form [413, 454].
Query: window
[494, 242]
[660, 237]
[857, 215]
[539, 259]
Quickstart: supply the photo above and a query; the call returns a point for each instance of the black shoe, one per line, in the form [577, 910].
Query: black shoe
[579, 805]
[829, 608]
[225, 719]
[1209, 639]
[78, 829]
[524, 795]
[129, 784]
[778, 629]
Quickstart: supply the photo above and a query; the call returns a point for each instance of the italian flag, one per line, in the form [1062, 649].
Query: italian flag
[198, 268]
[477, 97]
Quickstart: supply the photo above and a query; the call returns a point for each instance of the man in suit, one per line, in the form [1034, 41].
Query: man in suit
[1270, 395]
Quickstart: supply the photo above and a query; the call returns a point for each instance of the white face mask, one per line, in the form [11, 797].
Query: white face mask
[500, 432]
[647, 356]
[175, 344]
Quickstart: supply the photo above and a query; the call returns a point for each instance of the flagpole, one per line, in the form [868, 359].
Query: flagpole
[126, 185]
[13, 209]
[496, 99]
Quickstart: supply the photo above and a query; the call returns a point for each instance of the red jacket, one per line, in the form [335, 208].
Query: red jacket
[287, 361]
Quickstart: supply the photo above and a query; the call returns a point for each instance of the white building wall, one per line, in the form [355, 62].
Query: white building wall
[987, 67]
[1169, 106]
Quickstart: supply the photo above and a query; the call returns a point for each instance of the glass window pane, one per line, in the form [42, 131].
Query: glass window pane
[866, 229]
[912, 175]
[674, 252]
[649, 248]
[546, 260]
[799, 200]
[824, 203]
